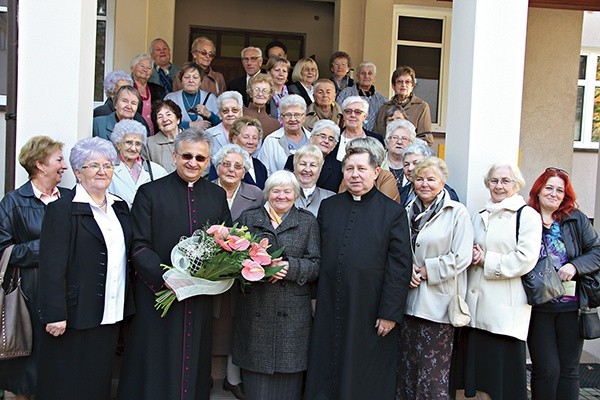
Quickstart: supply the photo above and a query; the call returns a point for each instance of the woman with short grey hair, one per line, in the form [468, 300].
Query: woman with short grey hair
[385, 182]
[112, 82]
[230, 105]
[278, 311]
[86, 292]
[285, 141]
[355, 110]
[308, 162]
[141, 71]
[131, 170]
[506, 246]
[399, 135]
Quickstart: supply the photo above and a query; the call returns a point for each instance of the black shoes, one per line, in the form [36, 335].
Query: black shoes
[237, 390]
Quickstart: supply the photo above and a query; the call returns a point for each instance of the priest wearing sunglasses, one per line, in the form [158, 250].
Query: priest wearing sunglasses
[170, 357]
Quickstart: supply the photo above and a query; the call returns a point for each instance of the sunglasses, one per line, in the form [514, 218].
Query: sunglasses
[205, 53]
[188, 157]
[555, 169]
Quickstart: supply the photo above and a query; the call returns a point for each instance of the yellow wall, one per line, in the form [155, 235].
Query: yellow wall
[137, 23]
[549, 91]
[296, 16]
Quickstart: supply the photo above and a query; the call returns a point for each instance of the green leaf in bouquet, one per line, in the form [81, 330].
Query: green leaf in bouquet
[277, 253]
[270, 271]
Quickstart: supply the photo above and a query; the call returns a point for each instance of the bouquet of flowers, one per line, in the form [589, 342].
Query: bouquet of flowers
[209, 261]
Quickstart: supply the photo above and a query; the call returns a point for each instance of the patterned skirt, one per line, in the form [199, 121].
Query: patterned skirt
[424, 359]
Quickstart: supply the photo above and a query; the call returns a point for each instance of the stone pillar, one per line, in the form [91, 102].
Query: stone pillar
[56, 73]
[485, 90]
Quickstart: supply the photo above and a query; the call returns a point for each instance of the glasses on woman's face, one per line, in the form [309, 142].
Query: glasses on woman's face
[95, 167]
[504, 182]
[289, 116]
[258, 90]
[324, 136]
[133, 143]
[236, 166]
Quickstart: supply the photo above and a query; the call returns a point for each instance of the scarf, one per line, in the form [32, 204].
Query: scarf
[419, 215]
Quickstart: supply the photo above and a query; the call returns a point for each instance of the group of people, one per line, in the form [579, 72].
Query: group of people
[375, 245]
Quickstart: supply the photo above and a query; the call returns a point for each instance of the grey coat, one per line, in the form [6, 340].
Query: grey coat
[273, 321]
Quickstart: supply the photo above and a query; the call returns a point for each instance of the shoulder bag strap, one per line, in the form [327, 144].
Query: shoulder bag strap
[519, 220]
[150, 170]
[4, 261]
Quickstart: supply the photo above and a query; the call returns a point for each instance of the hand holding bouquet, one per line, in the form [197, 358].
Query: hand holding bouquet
[211, 259]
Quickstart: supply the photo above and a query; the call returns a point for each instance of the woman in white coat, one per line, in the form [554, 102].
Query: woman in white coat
[442, 238]
[131, 170]
[507, 245]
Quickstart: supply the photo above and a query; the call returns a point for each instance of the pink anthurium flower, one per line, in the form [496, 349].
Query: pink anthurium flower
[264, 243]
[224, 245]
[259, 255]
[218, 231]
[238, 243]
[252, 271]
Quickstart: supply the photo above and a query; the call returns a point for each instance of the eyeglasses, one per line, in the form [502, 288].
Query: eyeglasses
[503, 182]
[292, 115]
[205, 53]
[95, 167]
[401, 82]
[257, 90]
[188, 157]
[145, 67]
[355, 111]
[248, 59]
[396, 138]
[343, 65]
[132, 143]
[324, 136]
[555, 169]
[230, 110]
[227, 165]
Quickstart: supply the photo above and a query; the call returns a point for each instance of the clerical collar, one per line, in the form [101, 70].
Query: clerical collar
[356, 198]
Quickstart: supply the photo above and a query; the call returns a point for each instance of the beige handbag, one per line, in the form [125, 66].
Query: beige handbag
[458, 310]
[16, 336]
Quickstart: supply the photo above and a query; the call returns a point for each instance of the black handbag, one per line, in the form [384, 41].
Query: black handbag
[542, 283]
[590, 284]
[589, 321]
[15, 322]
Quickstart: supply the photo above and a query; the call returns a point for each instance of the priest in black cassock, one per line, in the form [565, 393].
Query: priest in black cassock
[366, 265]
[170, 358]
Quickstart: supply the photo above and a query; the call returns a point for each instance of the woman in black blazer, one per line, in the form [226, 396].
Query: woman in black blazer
[83, 279]
[305, 73]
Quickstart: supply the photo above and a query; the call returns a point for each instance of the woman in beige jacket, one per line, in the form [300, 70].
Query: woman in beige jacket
[507, 243]
[442, 238]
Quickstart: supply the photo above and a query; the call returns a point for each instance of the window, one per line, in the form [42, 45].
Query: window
[422, 41]
[3, 51]
[587, 117]
[104, 46]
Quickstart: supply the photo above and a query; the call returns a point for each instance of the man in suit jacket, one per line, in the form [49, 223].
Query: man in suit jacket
[251, 61]
[164, 72]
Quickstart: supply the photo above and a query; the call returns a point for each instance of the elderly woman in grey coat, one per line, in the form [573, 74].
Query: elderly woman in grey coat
[273, 319]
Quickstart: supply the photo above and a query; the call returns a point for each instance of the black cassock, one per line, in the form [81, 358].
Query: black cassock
[170, 357]
[366, 265]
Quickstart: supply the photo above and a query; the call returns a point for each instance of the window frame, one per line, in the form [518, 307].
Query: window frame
[445, 15]
[589, 84]
[3, 9]
[109, 43]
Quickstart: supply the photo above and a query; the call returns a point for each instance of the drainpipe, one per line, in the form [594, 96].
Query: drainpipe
[11, 96]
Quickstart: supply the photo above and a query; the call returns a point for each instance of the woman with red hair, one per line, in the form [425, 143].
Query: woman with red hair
[572, 243]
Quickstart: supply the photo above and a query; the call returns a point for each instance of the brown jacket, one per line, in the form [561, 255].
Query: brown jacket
[417, 112]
